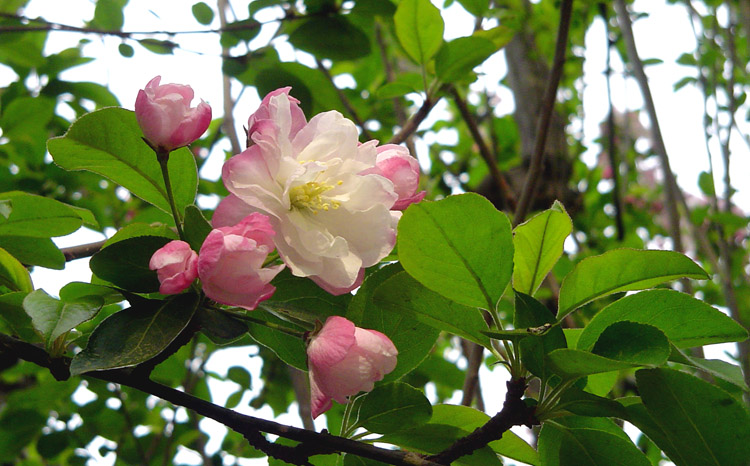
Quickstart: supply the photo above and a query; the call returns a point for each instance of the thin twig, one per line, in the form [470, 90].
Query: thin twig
[413, 123]
[228, 124]
[344, 100]
[83, 250]
[548, 104]
[484, 151]
[474, 354]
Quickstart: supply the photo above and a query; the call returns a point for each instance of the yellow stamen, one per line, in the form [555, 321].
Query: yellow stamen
[310, 196]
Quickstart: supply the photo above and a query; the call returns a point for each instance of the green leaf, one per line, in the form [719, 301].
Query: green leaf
[219, 327]
[686, 321]
[196, 227]
[331, 37]
[203, 13]
[471, 266]
[161, 47]
[108, 14]
[37, 216]
[434, 438]
[393, 407]
[288, 348]
[531, 313]
[15, 317]
[34, 251]
[137, 229]
[108, 142]
[419, 28]
[405, 83]
[499, 35]
[590, 447]
[74, 291]
[400, 327]
[53, 318]
[552, 435]
[13, 274]
[475, 7]
[707, 424]
[622, 270]
[716, 367]
[125, 50]
[239, 31]
[125, 263]
[135, 334]
[538, 244]
[622, 345]
[509, 445]
[706, 183]
[404, 295]
[458, 57]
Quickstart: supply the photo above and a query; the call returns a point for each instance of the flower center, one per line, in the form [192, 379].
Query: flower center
[310, 196]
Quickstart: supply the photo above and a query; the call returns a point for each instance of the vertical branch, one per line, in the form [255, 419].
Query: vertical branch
[344, 100]
[301, 389]
[474, 354]
[548, 104]
[226, 81]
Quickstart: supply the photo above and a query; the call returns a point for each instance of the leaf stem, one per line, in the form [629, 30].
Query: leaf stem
[265, 323]
[163, 158]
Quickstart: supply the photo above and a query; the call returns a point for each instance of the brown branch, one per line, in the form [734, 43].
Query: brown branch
[548, 104]
[474, 354]
[344, 100]
[312, 443]
[484, 151]
[514, 413]
[226, 82]
[83, 250]
[413, 123]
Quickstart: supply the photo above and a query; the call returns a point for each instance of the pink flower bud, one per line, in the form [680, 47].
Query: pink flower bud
[176, 266]
[166, 118]
[230, 263]
[278, 112]
[395, 163]
[344, 360]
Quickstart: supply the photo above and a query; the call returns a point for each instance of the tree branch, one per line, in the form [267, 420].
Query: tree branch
[413, 123]
[344, 100]
[226, 82]
[548, 104]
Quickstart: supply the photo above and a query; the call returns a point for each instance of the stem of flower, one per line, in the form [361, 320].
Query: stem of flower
[163, 158]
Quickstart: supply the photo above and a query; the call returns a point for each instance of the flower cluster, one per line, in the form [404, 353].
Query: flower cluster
[230, 264]
[328, 204]
[333, 201]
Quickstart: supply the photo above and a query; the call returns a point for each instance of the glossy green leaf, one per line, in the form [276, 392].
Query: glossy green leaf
[37, 216]
[716, 367]
[590, 447]
[686, 321]
[404, 295]
[203, 13]
[538, 244]
[622, 345]
[74, 291]
[13, 274]
[136, 334]
[108, 142]
[471, 266]
[530, 313]
[125, 263]
[136, 229]
[196, 227]
[458, 57]
[510, 445]
[419, 28]
[622, 270]
[288, 348]
[401, 328]
[434, 438]
[53, 318]
[393, 407]
[15, 318]
[220, 327]
[331, 37]
[552, 435]
[34, 251]
[707, 424]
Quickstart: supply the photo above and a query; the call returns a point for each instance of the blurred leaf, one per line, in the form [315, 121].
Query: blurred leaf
[706, 184]
[51, 445]
[538, 244]
[419, 28]
[716, 367]
[708, 425]
[239, 31]
[125, 263]
[53, 318]
[19, 427]
[393, 407]
[203, 13]
[161, 47]
[196, 227]
[686, 321]
[15, 317]
[108, 142]
[13, 274]
[471, 266]
[475, 7]
[458, 57]
[136, 334]
[405, 83]
[125, 50]
[331, 37]
[622, 270]
[108, 14]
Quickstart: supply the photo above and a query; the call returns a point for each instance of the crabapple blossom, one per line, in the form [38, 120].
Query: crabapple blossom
[166, 118]
[331, 216]
[395, 163]
[230, 263]
[176, 266]
[344, 360]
